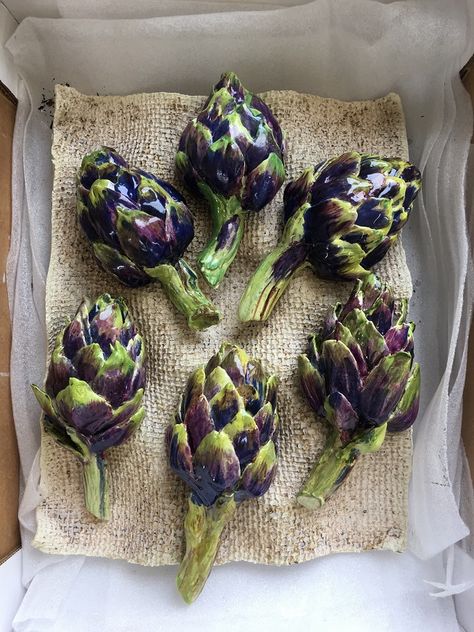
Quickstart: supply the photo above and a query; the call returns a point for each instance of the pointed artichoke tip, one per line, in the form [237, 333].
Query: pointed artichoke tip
[41, 396]
[273, 380]
[231, 83]
[182, 160]
[303, 362]
[230, 76]
[226, 346]
[106, 299]
[95, 155]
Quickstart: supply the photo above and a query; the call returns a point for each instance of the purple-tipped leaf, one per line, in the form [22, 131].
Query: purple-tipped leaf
[384, 387]
[406, 412]
[341, 371]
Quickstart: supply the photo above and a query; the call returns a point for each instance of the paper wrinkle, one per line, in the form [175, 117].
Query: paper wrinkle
[26, 305]
[414, 48]
[331, 591]
[159, 8]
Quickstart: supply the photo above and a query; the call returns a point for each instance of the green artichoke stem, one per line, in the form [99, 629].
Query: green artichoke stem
[336, 464]
[181, 286]
[96, 489]
[203, 527]
[228, 221]
[270, 281]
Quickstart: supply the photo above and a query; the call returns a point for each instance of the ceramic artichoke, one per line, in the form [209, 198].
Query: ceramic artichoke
[139, 227]
[232, 154]
[222, 444]
[341, 217]
[92, 399]
[360, 378]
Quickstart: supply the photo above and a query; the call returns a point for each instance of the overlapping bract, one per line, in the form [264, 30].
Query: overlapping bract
[223, 445]
[361, 363]
[359, 376]
[134, 220]
[341, 217]
[222, 441]
[93, 393]
[232, 154]
[352, 208]
[139, 227]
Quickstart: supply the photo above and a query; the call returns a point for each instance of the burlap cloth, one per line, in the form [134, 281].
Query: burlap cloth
[147, 501]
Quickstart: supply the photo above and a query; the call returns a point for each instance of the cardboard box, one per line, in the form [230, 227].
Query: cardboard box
[9, 461]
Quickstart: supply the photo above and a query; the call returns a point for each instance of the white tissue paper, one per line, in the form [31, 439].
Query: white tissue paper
[350, 49]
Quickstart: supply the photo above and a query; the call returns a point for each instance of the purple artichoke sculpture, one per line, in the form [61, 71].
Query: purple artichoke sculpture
[222, 444]
[341, 218]
[232, 154]
[139, 227]
[92, 399]
[360, 379]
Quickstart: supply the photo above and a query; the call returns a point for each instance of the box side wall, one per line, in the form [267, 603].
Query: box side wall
[468, 413]
[9, 462]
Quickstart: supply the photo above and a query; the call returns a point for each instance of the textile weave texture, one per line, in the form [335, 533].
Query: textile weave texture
[147, 500]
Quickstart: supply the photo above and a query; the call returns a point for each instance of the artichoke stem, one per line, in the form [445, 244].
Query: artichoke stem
[270, 280]
[181, 286]
[328, 474]
[228, 221]
[96, 489]
[336, 464]
[203, 527]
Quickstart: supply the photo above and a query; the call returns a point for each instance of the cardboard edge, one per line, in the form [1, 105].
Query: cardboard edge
[9, 459]
[467, 432]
